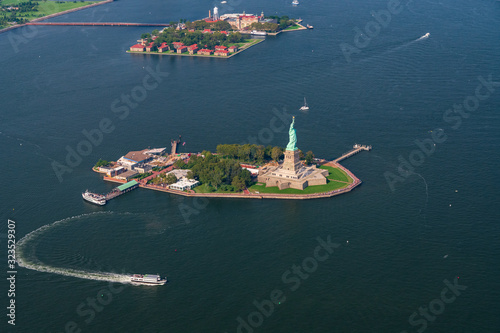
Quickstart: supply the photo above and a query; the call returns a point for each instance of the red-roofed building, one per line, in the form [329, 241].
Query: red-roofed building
[178, 44]
[192, 48]
[137, 48]
[150, 47]
[154, 37]
[233, 48]
[163, 47]
[191, 30]
[244, 21]
[207, 31]
[182, 49]
[205, 52]
[224, 32]
[222, 53]
[220, 47]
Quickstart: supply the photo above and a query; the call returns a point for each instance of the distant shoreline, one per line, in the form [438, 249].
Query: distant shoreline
[56, 14]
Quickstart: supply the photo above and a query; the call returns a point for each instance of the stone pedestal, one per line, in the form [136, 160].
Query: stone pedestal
[291, 162]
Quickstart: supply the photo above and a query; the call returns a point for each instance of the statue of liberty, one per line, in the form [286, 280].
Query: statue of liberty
[293, 137]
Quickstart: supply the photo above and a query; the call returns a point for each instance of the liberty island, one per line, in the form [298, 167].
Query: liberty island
[204, 174]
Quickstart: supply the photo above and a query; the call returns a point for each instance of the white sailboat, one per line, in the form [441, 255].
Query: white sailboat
[305, 107]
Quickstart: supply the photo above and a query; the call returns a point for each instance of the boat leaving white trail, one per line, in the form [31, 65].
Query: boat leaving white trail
[36, 265]
[423, 37]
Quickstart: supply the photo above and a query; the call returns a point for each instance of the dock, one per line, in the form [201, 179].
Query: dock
[355, 149]
[119, 190]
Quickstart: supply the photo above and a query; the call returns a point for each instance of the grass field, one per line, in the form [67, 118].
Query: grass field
[47, 7]
[330, 186]
[292, 27]
[337, 179]
[337, 174]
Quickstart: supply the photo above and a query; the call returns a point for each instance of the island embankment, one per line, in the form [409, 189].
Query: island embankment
[353, 183]
[245, 47]
[56, 14]
[292, 28]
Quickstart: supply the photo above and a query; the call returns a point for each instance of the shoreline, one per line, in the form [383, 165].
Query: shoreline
[301, 27]
[242, 195]
[244, 48]
[56, 14]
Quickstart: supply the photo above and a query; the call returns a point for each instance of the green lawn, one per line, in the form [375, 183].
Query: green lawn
[332, 184]
[292, 27]
[51, 7]
[47, 7]
[337, 174]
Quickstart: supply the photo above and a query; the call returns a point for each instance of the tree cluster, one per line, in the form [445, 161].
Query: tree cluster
[206, 40]
[163, 178]
[283, 21]
[218, 173]
[267, 26]
[250, 153]
[13, 15]
[25, 6]
[202, 25]
[101, 163]
[256, 154]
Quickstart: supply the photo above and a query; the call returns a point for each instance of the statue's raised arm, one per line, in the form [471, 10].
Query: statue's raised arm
[293, 137]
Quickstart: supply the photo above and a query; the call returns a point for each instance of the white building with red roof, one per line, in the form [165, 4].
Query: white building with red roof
[163, 47]
[137, 48]
[178, 44]
[192, 48]
[223, 53]
[182, 49]
[205, 52]
[150, 47]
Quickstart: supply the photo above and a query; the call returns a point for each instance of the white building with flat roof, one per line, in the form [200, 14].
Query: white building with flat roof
[184, 184]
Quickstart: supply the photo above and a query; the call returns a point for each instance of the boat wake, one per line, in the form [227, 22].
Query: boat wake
[34, 264]
[394, 49]
[423, 37]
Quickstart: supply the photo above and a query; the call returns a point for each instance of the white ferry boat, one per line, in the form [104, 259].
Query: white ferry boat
[147, 279]
[295, 2]
[94, 198]
[259, 33]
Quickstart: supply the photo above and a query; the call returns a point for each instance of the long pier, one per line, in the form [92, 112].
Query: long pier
[108, 24]
[356, 149]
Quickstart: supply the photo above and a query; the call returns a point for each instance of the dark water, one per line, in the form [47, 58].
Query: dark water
[222, 255]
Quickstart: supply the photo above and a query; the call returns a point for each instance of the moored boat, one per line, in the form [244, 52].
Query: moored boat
[309, 26]
[259, 33]
[295, 2]
[94, 198]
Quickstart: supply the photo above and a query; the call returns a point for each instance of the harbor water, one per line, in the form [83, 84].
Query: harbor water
[415, 248]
